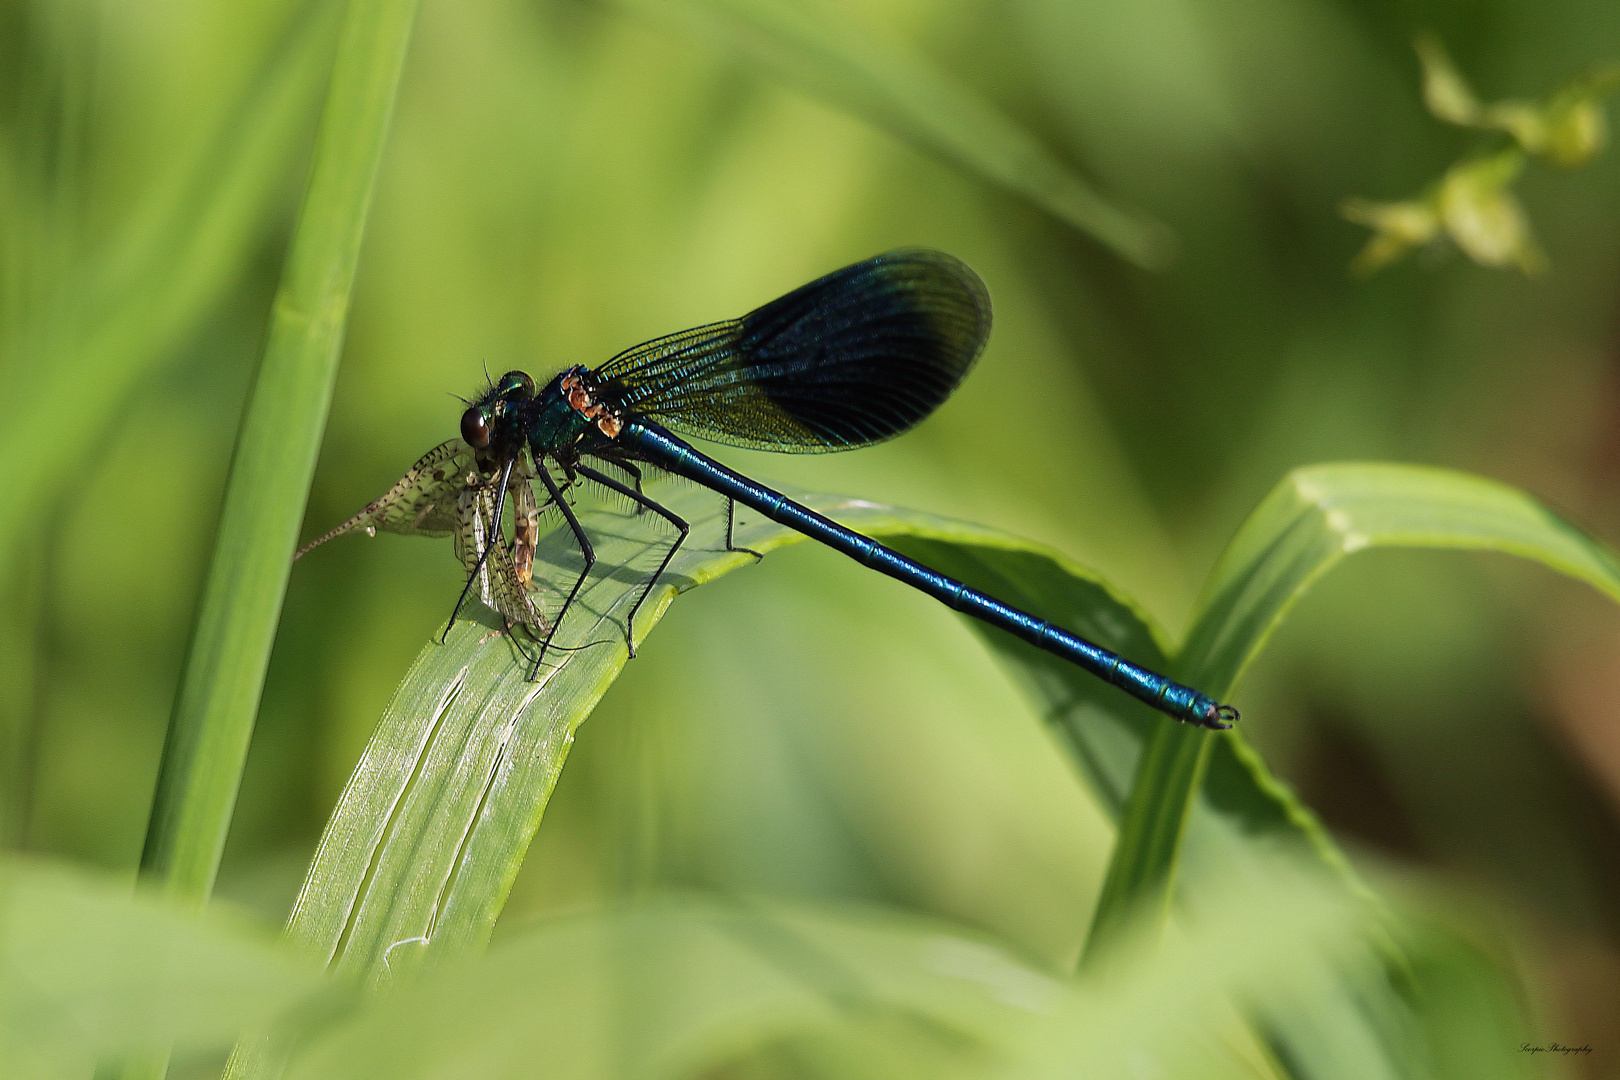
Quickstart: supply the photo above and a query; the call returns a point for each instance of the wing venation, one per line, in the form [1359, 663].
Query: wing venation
[852, 358]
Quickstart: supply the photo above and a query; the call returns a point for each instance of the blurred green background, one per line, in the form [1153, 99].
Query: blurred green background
[566, 179]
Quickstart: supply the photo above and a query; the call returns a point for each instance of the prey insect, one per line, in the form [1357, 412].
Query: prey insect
[450, 492]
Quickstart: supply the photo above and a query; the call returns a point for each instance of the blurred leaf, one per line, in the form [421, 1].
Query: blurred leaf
[679, 988]
[1568, 129]
[1173, 1005]
[1446, 94]
[1397, 228]
[1473, 200]
[1445, 91]
[1520, 119]
[1472, 1021]
[1575, 132]
[1474, 204]
[676, 987]
[1575, 126]
[86, 969]
[808, 44]
[1484, 217]
[275, 457]
[170, 261]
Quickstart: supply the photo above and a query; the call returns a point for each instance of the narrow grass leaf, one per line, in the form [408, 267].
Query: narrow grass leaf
[1312, 520]
[810, 45]
[430, 832]
[1309, 523]
[1214, 789]
[274, 460]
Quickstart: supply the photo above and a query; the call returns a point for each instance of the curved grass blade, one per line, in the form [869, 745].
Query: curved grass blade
[811, 46]
[1215, 789]
[431, 829]
[1315, 518]
[428, 835]
[1321, 514]
[274, 460]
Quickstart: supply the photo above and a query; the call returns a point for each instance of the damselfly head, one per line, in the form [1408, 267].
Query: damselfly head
[481, 423]
[515, 386]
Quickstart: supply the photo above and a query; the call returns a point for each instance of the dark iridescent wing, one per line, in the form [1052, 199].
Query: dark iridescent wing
[850, 359]
[423, 502]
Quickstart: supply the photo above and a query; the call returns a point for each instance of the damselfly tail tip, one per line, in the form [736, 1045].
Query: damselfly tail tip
[1220, 717]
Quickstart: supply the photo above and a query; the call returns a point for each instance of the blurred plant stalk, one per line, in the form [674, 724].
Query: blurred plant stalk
[1473, 203]
[275, 460]
[98, 321]
[218, 699]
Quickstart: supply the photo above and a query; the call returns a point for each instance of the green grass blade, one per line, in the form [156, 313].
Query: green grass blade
[1315, 518]
[1321, 514]
[274, 460]
[1310, 522]
[432, 827]
[1143, 863]
[173, 258]
[1214, 789]
[811, 46]
[88, 969]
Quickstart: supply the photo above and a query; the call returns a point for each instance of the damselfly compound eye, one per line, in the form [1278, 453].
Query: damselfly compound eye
[475, 428]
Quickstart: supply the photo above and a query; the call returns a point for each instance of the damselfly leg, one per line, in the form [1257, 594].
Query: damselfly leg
[662, 511]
